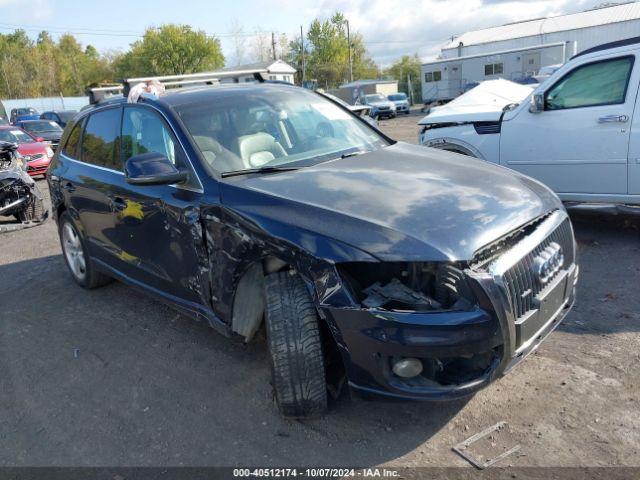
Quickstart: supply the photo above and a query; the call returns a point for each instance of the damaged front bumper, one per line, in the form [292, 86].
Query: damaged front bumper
[371, 339]
[462, 351]
[21, 202]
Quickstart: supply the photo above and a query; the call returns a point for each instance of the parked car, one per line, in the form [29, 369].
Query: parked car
[411, 272]
[577, 132]
[401, 102]
[380, 106]
[37, 155]
[363, 111]
[61, 117]
[26, 113]
[43, 130]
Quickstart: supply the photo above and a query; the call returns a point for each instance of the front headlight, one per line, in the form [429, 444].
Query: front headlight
[408, 286]
[49, 152]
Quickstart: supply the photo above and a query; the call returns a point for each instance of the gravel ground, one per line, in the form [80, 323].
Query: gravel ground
[112, 378]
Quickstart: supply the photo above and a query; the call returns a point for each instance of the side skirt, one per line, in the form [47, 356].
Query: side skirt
[190, 309]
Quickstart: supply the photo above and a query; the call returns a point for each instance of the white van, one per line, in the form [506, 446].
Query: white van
[578, 131]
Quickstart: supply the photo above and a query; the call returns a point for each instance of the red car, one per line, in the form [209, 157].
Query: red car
[34, 150]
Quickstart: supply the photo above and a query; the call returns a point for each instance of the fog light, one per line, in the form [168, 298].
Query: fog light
[407, 367]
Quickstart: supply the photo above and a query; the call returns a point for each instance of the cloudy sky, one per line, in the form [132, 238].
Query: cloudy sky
[390, 27]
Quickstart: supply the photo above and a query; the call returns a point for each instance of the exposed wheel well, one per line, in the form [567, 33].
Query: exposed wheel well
[249, 312]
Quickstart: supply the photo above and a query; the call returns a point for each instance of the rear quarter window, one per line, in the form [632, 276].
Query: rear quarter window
[100, 140]
[73, 141]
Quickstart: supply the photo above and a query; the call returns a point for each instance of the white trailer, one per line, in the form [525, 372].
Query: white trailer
[445, 79]
[518, 49]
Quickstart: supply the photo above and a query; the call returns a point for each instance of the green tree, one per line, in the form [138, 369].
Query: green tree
[171, 50]
[327, 53]
[404, 68]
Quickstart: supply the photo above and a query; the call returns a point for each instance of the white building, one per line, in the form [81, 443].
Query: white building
[518, 50]
[270, 70]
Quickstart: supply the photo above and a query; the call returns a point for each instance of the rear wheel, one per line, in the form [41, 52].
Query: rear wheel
[76, 257]
[295, 347]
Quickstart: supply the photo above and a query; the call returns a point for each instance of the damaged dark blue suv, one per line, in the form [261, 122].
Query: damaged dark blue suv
[407, 271]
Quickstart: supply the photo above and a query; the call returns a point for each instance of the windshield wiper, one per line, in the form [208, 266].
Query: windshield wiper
[352, 154]
[248, 171]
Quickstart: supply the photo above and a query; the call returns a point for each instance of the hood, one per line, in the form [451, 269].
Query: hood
[32, 148]
[400, 102]
[482, 103]
[403, 202]
[382, 103]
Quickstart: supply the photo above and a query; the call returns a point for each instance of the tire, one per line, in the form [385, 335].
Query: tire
[295, 347]
[76, 257]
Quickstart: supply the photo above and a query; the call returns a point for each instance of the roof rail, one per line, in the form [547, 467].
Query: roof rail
[608, 46]
[207, 78]
[99, 94]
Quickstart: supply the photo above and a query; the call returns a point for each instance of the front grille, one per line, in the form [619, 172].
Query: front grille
[383, 108]
[521, 284]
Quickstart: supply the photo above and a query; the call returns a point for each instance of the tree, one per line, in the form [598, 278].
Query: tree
[327, 53]
[239, 42]
[407, 66]
[172, 50]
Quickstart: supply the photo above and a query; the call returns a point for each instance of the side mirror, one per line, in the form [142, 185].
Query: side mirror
[537, 103]
[152, 169]
[39, 139]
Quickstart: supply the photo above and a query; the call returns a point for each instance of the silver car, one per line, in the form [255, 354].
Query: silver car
[401, 102]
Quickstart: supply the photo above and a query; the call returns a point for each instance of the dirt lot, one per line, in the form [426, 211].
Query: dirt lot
[110, 377]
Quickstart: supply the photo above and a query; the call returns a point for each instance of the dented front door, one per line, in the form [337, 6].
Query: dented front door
[159, 235]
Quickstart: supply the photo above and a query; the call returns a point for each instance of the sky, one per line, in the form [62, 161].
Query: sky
[391, 28]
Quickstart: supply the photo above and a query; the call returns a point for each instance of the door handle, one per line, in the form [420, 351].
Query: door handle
[118, 204]
[613, 119]
[69, 187]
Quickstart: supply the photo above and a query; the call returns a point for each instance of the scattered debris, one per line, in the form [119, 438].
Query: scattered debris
[76, 353]
[461, 448]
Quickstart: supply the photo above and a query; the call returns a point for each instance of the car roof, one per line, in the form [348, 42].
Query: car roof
[198, 94]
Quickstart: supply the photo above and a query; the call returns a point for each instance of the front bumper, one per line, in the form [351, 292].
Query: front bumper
[369, 339]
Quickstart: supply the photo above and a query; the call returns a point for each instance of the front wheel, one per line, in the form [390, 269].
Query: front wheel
[295, 347]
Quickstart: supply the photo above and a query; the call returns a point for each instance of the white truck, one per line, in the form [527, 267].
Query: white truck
[578, 131]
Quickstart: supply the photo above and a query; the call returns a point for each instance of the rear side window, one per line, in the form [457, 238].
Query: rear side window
[599, 83]
[101, 138]
[73, 142]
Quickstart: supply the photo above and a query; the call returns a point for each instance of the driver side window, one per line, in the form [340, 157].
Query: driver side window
[143, 131]
[590, 85]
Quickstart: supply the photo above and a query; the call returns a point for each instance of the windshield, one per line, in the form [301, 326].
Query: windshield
[397, 96]
[44, 126]
[26, 111]
[243, 130]
[15, 136]
[377, 97]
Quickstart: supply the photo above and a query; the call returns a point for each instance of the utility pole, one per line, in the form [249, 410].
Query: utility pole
[273, 44]
[350, 63]
[302, 54]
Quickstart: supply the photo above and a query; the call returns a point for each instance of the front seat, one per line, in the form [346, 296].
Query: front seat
[259, 149]
[218, 157]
